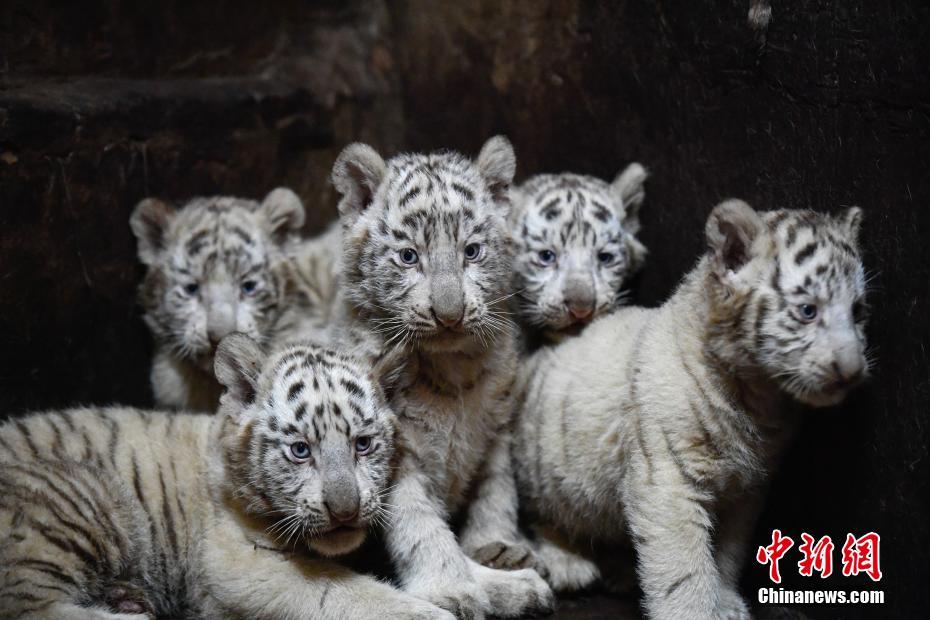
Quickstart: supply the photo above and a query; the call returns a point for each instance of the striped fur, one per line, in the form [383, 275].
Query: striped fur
[315, 267]
[121, 513]
[575, 246]
[426, 271]
[664, 422]
[216, 266]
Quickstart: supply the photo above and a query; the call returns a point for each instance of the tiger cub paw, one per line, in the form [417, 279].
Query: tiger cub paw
[515, 593]
[507, 556]
[126, 598]
[464, 599]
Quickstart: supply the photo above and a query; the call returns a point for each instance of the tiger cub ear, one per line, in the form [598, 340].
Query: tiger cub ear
[357, 174]
[852, 221]
[388, 371]
[628, 190]
[237, 364]
[497, 164]
[732, 228]
[148, 221]
[284, 212]
[519, 201]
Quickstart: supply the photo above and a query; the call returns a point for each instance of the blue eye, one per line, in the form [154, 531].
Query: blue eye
[191, 288]
[546, 257]
[363, 445]
[473, 251]
[249, 287]
[408, 256]
[807, 312]
[605, 258]
[300, 450]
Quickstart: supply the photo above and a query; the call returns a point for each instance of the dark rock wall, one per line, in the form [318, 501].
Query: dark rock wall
[104, 103]
[827, 106]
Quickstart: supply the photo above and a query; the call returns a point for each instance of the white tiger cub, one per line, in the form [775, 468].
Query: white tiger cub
[120, 514]
[426, 269]
[664, 422]
[575, 247]
[216, 266]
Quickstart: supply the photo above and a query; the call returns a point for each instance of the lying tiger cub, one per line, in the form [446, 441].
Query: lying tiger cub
[117, 513]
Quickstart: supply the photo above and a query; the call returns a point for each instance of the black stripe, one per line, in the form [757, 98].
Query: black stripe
[166, 512]
[7, 446]
[324, 595]
[679, 461]
[182, 515]
[58, 440]
[66, 418]
[464, 191]
[762, 311]
[196, 243]
[24, 430]
[66, 545]
[56, 511]
[242, 234]
[805, 253]
[114, 427]
[352, 387]
[52, 570]
[29, 471]
[680, 582]
[409, 196]
[294, 391]
[776, 277]
[640, 439]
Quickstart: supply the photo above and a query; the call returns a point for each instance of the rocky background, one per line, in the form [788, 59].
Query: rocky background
[824, 105]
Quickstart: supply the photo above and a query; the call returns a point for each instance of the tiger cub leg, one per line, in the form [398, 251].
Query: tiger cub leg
[430, 563]
[736, 525]
[491, 536]
[250, 581]
[671, 530]
[565, 570]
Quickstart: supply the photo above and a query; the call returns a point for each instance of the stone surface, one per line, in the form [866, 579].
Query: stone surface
[829, 105]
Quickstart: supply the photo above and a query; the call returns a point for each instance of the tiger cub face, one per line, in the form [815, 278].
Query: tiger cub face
[575, 245]
[214, 267]
[313, 442]
[791, 298]
[426, 244]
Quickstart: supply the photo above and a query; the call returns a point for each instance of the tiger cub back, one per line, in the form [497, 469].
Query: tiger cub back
[575, 247]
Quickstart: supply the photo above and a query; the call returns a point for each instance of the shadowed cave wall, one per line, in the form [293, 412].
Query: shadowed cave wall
[103, 103]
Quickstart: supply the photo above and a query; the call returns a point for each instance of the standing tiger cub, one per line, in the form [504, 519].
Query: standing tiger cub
[668, 420]
[120, 514]
[426, 270]
[216, 266]
[575, 247]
